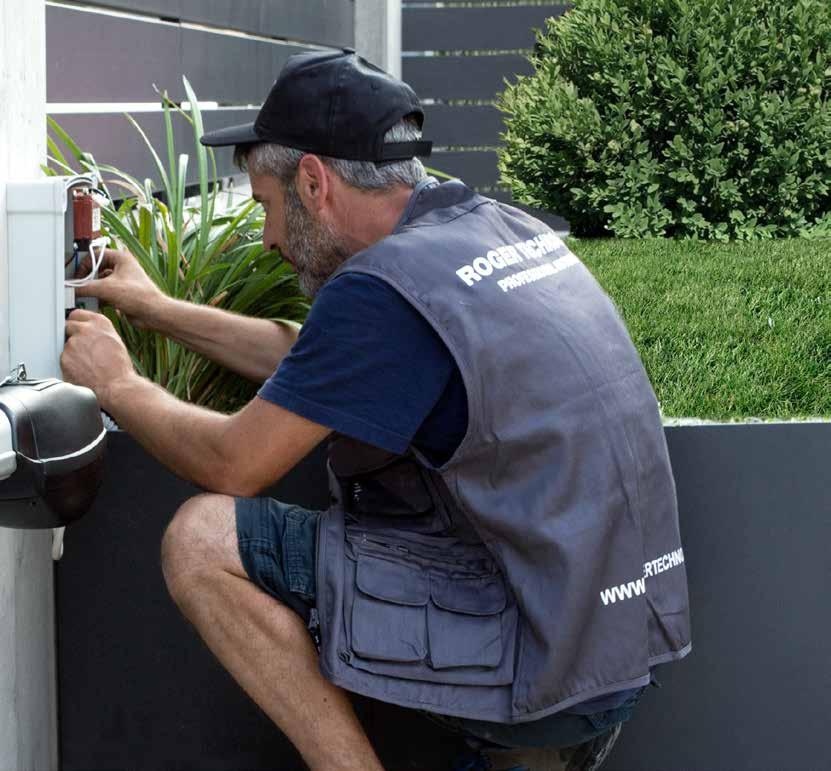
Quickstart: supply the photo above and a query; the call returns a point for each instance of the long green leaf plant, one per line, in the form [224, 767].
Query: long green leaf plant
[201, 252]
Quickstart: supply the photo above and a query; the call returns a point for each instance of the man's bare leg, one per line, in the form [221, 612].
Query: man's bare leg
[262, 643]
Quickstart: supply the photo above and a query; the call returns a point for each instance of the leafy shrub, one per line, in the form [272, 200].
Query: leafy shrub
[197, 253]
[681, 118]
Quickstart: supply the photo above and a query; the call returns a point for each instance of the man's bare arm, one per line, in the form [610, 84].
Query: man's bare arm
[249, 346]
[236, 454]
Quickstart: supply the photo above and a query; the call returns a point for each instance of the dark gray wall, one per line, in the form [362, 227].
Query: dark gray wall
[95, 56]
[139, 691]
[755, 693]
[459, 58]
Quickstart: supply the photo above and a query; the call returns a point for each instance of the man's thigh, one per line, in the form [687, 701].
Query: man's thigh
[277, 544]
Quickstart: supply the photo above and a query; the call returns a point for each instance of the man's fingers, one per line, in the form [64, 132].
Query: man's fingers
[90, 289]
[82, 314]
[73, 328]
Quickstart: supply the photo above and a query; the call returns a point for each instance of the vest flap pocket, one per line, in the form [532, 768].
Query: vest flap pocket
[476, 596]
[464, 623]
[388, 615]
[391, 581]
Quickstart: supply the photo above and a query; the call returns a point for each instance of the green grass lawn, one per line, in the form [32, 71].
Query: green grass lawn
[726, 331]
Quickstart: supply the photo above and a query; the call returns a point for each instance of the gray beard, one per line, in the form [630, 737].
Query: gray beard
[316, 249]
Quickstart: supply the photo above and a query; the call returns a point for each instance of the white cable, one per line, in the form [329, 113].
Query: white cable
[96, 264]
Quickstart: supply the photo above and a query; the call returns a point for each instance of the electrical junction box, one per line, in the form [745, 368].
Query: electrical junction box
[42, 256]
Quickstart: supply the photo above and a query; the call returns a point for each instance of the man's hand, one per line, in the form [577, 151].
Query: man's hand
[94, 355]
[124, 285]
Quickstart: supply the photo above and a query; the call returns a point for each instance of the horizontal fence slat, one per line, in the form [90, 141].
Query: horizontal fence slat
[232, 70]
[216, 119]
[99, 58]
[166, 8]
[327, 22]
[462, 124]
[458, 29]
[462, 77]
[112, 140]
[476, 168]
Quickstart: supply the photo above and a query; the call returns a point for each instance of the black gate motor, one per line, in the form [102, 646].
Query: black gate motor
[52, 443]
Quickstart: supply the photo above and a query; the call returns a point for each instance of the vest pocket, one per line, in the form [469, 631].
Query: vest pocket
[464, 626]
[418, 623]
[388, 612]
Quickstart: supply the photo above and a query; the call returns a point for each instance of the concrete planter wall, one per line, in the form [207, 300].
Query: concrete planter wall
[138, 690]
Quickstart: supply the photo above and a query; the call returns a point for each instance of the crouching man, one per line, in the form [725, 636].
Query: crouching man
[502, 551]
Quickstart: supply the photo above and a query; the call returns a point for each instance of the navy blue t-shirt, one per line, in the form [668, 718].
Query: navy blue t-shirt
[368, 365]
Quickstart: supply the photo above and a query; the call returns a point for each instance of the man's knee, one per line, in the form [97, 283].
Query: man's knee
[199, 539]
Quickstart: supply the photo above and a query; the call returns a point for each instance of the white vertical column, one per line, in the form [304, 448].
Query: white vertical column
[28, 719]
[378, 33]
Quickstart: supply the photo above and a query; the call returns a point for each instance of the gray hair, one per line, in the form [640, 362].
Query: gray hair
[281, 162]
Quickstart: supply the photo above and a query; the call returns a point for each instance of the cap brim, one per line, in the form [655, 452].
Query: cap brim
[232, 135]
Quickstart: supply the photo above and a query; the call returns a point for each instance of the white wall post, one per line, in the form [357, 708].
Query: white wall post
[28, 714]
[378, 33]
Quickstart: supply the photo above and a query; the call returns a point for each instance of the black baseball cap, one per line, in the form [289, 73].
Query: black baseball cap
[335, 104]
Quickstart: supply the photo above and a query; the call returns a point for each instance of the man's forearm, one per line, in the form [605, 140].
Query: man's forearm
[249, 346]
[185, 438]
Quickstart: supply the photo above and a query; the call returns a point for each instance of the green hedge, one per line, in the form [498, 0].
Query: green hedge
[679, 118]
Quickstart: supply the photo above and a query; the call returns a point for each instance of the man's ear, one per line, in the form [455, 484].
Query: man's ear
[312, 183]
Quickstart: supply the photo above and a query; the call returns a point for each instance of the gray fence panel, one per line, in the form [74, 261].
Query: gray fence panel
[476, 168]
[232, 70]
[114, 141]
[214, 119]
[457, 29]
[462, 77]
[327, 22]
[170, 9]
[98, 58]
[478, 125]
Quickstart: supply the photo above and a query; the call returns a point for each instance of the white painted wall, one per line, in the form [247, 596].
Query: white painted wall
[378, 33]
[28, 721]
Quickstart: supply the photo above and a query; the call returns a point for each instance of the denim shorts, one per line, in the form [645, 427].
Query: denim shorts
[277, 548]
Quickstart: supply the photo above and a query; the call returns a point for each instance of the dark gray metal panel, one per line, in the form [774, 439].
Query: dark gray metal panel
[456, 29]
[114, 141]
[232, 70]
[554, 221]
[461, 125]
[326, 22]
[462, 77]
[170, 9]
[98, 58]
[476, 168]
[138, 689]
[93, 57]
[271, 59]
[214, 119]
[755, 504]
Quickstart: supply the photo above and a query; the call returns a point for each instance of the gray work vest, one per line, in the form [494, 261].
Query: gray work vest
[542, 565]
